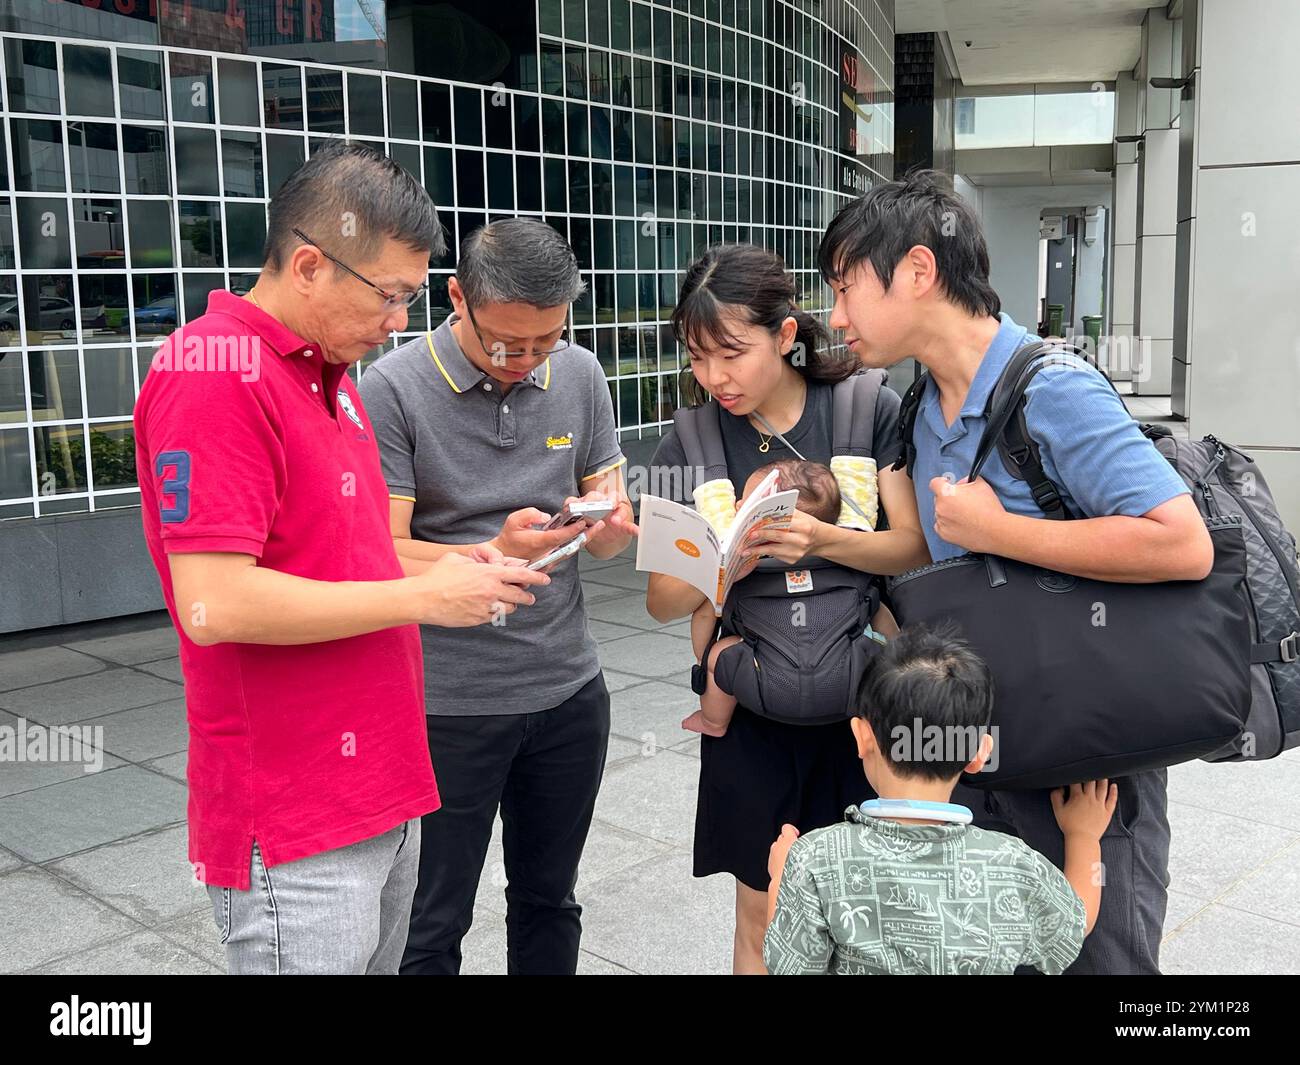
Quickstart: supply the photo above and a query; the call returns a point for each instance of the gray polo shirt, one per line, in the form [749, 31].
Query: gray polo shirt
[469, 456]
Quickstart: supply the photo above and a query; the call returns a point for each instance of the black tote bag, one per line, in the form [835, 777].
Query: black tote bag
[1094, 678]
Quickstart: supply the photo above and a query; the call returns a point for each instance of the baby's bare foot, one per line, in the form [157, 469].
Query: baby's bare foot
[697, 723]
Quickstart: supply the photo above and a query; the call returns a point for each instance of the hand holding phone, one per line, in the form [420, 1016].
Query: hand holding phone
[590, 511]
[559, 554]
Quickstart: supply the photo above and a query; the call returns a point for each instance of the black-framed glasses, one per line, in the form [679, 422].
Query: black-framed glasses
[393, 301]
[496, 348]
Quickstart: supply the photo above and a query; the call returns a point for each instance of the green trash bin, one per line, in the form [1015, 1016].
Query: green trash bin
[1092, 330]
[1056, 319]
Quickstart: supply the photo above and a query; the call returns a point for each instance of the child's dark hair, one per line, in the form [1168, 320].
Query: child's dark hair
[930, 674]
[819, 491]
[892, 218]
[752, 284]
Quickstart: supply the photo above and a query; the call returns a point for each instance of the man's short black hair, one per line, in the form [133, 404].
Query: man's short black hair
[882, 226]
[931, 675]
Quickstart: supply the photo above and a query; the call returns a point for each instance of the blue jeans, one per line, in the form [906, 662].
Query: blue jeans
[341, 911]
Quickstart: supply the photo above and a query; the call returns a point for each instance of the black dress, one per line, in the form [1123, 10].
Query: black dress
[764, 773]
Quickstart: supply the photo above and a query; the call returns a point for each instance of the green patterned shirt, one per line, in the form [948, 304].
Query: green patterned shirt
[869, 896]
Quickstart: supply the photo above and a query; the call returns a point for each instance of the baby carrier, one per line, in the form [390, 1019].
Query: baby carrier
[806, 627]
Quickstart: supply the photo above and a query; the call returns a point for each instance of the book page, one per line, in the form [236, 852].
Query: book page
[680, 542]
[771, 510]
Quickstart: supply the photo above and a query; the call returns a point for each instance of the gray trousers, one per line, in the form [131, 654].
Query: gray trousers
[340, 911]
[1135, 863]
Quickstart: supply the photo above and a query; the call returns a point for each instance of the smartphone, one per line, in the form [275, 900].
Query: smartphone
[560, 553]
[590, 512]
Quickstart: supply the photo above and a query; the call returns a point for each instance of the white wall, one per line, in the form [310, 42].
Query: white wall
[1010, 219]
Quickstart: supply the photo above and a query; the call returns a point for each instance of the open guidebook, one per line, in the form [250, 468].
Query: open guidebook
[680, 542]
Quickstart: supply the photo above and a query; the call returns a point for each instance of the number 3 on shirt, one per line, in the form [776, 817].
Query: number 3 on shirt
[177, 486]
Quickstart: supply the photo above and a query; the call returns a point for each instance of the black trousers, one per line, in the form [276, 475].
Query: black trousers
[543, 770]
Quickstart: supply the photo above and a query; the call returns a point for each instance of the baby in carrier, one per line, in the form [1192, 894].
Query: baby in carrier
[819, 496]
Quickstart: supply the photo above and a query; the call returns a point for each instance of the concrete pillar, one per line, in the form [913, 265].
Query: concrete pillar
[1236, 372]
[1123, 236]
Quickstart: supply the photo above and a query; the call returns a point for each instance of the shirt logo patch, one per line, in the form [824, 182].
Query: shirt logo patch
[345, 401]
[559, 443]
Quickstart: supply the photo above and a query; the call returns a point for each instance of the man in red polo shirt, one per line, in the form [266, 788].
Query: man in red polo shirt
[267, 517]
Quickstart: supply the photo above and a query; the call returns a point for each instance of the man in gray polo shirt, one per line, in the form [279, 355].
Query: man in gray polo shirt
[486, 427]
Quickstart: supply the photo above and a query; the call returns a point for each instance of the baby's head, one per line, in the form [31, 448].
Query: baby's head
[923, 710]
[819, 492]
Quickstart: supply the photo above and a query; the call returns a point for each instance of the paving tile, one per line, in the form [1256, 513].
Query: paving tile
[1272, 890]
[167, 668]
[598, 593]
[173, 765]
[652, 713]
[141, 954]
[1209, 852]
[85, 697]
[1181, 908]
[196, 932]
[9, 861]
[132, 648]
[1267, 792]
[621, 577]
[147, 877]
[146, 732]
[69, 755]
[625, 610]
[72, 816]
[42, 665]
[42, 919]
[652, 796]
[616, 681]
[1221, 940]
[603, 631]
[649, 654]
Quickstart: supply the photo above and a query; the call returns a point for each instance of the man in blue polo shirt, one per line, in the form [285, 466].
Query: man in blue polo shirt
[909, 266]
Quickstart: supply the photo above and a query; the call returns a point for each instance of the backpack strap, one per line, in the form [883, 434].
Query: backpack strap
[907, 423]
[853, 412]
[700, 431]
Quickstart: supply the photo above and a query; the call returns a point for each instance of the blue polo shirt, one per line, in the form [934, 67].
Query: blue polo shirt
[1090, 446]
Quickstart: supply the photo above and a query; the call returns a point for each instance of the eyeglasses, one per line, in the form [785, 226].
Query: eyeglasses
[393, 301]
[497, 348]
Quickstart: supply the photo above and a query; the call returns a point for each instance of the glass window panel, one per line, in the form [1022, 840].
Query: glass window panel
[553, 127]
[87, 80]
[43, 233]
[435, 111]
[245, 233]
[469, 179]
[200, 233]
[60, 459]
[154, 296]
[500, 177]
[403, 108]
[620, 24]
[237, 81]
[197, 287]
[15, 463]
[38, 155]
[105, 316]
[498, 124]
[603, 237]
[598, 75]
[579, 143]
[556, 182]
[191, 87]
[55, 385]
[407, 156]
[7, 261]
[527, 128]
[365, 105]
[528, 176]
[241, 162]
[281, 96]
[437, 176]
[575, 72]
[150, 225]
[575, 20]
[112, 455]
[139, 80]
[32, 69]
[242, 284]
[324, 101]
[579, 187]
[469, 115]
[92, 157]
[196, 161]
[97, 226]
[13, 401]
[144, 160]
[284, 154]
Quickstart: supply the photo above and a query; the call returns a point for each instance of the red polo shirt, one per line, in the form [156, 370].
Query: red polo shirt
[247, 441]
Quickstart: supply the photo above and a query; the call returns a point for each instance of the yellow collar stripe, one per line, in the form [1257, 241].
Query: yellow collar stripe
[438, 362]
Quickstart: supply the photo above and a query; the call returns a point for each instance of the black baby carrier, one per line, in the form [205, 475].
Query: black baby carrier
[804, 626]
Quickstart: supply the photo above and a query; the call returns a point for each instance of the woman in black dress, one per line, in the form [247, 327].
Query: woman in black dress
[753, 351]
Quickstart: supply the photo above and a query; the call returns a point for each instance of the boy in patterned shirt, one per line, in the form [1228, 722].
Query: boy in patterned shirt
[910, 887]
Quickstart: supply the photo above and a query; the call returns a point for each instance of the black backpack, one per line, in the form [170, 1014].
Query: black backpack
[1225, 483]
[803, 626]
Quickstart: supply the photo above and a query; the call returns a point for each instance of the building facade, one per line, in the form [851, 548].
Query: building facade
[143, 139]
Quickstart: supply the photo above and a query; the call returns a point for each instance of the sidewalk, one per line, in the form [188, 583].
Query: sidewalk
[94, 878]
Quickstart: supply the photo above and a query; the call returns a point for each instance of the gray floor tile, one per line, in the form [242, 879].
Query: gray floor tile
[146, 732]
[625, 610]
[1238, 788]
[42, 665]
[603, 631]
[173, 765]
[64, 818]
[167, 668]
[1180, 909]
[9, 861]
[657, 918]
[593, 593]
[648, 654]
[1272, 890]
[1224, 940]
[142, 954]
[196, 932]
[1209, 852]
[591, 965]
[652, 796]
[50, 757]
[132, 648]
[42, 919]
[86, 697]
[622, 577]
[616, 681]
[483, 950]
[652, 713]
[148, 877]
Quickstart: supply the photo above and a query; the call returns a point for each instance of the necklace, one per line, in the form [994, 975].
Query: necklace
[765, 444]
[252, 299]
